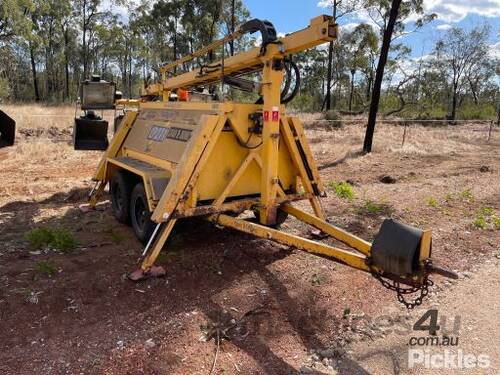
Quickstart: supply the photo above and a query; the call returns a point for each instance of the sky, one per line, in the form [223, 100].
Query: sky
[291, 15]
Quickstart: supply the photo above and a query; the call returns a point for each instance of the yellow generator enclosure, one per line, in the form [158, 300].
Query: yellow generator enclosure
[201, 158]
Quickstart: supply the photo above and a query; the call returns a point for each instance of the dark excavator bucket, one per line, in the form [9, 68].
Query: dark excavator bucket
[7, 130]
[90, 132]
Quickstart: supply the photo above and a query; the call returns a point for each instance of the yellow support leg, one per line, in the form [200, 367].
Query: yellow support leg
[151, 253]
[337, 233]
[343, 256]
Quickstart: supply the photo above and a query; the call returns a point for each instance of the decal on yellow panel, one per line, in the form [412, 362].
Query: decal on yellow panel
[164, 133]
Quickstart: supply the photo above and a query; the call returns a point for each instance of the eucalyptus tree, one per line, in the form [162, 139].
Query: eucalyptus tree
[462, 57]
[391, 16]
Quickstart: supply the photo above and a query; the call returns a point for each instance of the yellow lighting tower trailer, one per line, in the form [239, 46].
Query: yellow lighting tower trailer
[216, 159]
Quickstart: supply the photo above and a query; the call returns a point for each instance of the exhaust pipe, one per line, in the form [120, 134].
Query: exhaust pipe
[7, 130]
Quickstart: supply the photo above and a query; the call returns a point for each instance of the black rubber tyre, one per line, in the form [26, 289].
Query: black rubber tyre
[120, 189]
[140, 216]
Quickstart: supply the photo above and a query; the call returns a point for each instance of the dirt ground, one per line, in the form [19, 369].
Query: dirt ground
[285, 307]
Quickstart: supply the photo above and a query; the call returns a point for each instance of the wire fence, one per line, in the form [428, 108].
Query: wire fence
[486, 130]
[479, 130]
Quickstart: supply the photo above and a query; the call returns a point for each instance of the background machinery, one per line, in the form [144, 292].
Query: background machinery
[7, 130]
[217, 159]
[90, 131]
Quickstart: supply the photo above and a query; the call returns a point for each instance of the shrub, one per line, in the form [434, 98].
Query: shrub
[432, 202]
[335, 118]
[496, 221]
[486, 211]
[58, 239]
[373, 207]
[343, 190]
[480, 222]
[45, 268]
[467, 195]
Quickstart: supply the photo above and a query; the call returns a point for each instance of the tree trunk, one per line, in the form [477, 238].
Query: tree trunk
[33, 71]
[233, 21]
[328, 98]
[329, 78]
[379, 76]
[369, 85]
[130, 74]
[454, 103]
[353, 72]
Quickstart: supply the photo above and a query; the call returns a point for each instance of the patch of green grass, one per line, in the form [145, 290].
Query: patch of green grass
[117, 238]
[432, 202]
[486, 211]
[342, 190]
[346, 313]
[45, 268]
[54, 238]
[316, 279]
[467, 195]
[373, 207]
[480, 223]
[496, 221]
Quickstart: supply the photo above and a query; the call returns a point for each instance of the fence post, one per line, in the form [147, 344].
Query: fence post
[489, 132]
[404, 133]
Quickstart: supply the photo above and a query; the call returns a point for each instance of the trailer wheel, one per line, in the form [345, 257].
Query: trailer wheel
[120, 189]
[140, 214]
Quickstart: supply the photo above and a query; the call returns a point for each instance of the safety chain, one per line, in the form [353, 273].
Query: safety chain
[401, 292]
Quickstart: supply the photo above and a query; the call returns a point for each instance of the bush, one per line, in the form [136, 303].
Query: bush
[343, 190]
[496, 221]
[432, 202]
[45, 268]
[58, 239]
[335, 118]
[480, 222]
[373, 207]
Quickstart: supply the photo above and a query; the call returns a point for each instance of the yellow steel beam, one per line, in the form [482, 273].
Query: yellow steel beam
[337, 233]
[151, 256]
[235, 178]
[116, 144]
[271, 91]
[339, 255]
[309, 159]
[292, 145]
[321, 30]
[201, 52]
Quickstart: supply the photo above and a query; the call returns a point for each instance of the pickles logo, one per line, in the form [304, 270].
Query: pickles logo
[450, 357]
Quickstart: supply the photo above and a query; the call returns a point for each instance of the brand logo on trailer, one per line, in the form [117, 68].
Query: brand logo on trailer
[160, 133]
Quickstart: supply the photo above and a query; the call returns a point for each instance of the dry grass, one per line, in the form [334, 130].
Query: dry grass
[44, 164]
[35, 116]
[32, 116]
[422, 140]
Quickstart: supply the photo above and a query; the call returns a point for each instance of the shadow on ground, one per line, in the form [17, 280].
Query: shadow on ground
[88, 304]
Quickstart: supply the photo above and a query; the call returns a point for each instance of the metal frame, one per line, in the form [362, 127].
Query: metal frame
[181, 197]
